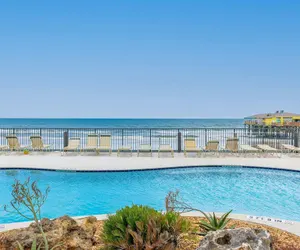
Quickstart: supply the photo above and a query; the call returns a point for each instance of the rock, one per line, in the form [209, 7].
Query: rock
[89, 225]
[64, 230]
[237, 239]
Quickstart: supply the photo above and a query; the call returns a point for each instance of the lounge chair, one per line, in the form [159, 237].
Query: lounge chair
[190, 146]
[74, 145]
[247, 149]
[3, 147]
[92, 143]
[165, 148]
[211, 147]
[290, 148]
[231, 146]
[268, 149]
[145, 148]
[105, 144]
[124, 148]
[37, 143]
[13, 143]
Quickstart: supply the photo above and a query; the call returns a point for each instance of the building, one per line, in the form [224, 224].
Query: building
[279, 118]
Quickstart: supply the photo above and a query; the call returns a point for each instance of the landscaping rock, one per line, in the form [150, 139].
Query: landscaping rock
[64, 230]
[237, 239]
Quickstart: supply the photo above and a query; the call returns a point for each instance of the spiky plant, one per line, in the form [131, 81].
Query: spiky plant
[174, 203]
[213, 223]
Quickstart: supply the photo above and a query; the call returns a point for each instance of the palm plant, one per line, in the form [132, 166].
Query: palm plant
[213, 223]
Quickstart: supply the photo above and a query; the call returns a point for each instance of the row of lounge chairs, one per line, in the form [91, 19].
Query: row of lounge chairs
[105, 146]
[232, 146]
[14, 145]
[190, 146]
[37, 144]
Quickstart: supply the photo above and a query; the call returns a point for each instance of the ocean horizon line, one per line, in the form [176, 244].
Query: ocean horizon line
[125, 118]
[120, 122]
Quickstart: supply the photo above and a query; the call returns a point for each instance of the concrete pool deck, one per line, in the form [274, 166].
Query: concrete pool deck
[73, 162]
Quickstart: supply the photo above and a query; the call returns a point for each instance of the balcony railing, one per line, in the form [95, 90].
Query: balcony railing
[253, 123]
[277, 124]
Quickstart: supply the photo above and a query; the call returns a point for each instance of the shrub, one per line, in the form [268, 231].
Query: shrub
[142, 227]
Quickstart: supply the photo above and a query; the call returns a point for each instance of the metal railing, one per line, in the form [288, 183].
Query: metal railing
[278, 124]
[58, 137]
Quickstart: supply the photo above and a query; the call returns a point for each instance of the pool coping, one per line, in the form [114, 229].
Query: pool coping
[79, 163]
[285, 225]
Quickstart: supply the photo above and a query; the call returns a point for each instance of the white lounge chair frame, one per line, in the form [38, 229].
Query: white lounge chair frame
[268, 150]
[124, 149]
[211, 147]
[190, 146]
[291, 149]
[165, 148]
[231, 147]
[3, 148]
[249, 150]
[37, 144]
[144, 148]
[73, 145]
[92, 143]
[105, 144]
[14, 145]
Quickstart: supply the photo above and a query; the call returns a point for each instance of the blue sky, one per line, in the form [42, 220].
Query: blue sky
[146, 59]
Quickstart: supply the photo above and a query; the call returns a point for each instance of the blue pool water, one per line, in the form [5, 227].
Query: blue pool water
[252, 191]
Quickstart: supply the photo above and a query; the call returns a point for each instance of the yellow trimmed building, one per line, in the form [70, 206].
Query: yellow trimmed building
[279, 118]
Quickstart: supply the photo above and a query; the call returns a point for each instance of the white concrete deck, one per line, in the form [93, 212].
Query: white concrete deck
[73, 162]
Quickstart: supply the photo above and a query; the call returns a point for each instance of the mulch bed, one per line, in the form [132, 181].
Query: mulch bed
[282, 240]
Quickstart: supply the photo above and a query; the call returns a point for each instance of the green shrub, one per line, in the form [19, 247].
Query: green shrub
[142, 227]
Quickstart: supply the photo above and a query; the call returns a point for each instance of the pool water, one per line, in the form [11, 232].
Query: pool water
[263, 192]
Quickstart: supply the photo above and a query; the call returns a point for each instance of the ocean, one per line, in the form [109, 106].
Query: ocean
[119, 123]
[134, 132]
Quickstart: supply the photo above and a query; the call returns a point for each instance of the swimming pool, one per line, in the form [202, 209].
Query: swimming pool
[263, 192]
